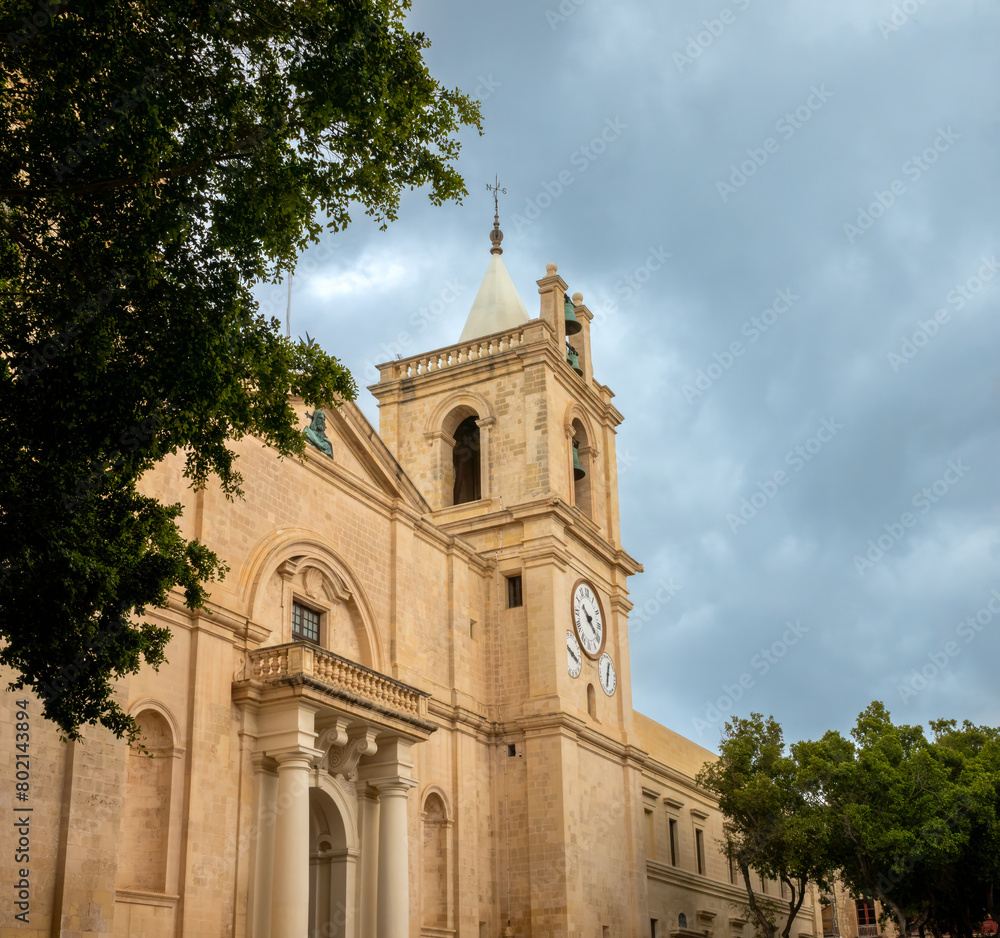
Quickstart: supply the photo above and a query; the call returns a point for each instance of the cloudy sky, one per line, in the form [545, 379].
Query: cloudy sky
[810, 380]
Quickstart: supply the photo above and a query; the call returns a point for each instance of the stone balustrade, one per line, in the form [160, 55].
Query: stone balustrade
[281, 661]
[486, 347]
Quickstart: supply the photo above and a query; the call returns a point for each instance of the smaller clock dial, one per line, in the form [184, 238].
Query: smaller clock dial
[606, 672]
[574, 657]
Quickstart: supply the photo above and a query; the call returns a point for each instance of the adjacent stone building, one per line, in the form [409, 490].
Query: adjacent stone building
[407, 709]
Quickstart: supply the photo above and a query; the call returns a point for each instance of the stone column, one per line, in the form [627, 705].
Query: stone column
[368, 802]
[262, 846]
[486, 458]
[290, 877]
[393, 857]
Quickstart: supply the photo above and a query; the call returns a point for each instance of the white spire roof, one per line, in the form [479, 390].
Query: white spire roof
[497, 306]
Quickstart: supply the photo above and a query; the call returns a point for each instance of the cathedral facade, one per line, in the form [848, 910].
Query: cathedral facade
[406, 712]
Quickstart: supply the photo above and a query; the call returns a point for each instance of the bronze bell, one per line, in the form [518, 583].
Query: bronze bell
[574, 360]
[578, 471]
[573, 325]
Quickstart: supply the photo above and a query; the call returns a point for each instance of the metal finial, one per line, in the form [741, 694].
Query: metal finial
[496, 235]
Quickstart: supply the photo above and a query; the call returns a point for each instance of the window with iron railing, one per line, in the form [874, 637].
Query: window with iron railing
[867, 920]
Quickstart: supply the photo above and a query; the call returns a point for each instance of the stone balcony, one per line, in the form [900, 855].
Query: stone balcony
[333, 676]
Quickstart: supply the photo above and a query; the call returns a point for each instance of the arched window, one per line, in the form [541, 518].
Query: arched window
[146, 811]
[591, 701]
[465, 462]
[582, 470]
[682, 921]
[434, 858]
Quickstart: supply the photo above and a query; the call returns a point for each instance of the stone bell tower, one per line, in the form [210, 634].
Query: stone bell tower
[511, 441]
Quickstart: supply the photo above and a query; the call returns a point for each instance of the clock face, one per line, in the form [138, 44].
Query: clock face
[574, 657]
[588, 619]
[606, 672]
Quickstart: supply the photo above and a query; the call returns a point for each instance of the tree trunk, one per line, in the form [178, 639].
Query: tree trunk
[793, 904]
[764, 924]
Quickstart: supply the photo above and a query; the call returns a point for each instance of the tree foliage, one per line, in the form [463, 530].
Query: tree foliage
[156, 160]
[770, 826]
[911, 821]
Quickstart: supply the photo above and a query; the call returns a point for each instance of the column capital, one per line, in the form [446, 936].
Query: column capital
[397, 784]
[307, 757]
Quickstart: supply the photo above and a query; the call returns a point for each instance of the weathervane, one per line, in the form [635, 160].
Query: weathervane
[496, 235]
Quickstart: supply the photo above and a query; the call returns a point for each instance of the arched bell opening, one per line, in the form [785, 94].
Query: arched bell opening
[582, 476]
[332, 870]
[573, 325]
[465, 462]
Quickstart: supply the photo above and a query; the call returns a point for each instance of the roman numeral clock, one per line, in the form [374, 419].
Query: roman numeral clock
[588, 637]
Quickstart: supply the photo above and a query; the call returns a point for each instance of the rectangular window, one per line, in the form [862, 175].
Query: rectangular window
[650, 835]
[699, 845]
[652, 928]
[733, 871]
[866, 913]
[673, 842]
[305, 623]
[513, 592]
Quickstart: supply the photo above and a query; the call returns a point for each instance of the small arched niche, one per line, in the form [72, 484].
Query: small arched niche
[434, 863]
[146, 808]
[582, 463]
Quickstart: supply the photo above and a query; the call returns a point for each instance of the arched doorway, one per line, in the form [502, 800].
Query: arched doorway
[332, 869]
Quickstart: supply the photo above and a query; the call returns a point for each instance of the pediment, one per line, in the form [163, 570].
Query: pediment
[358, 451]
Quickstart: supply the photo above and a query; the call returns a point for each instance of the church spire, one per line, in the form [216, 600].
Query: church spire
[497, 306]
